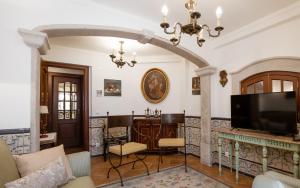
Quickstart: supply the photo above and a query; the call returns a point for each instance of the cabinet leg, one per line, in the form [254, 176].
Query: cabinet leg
[220, 155]
[265, 159]
[230, 155]
[296, 164]
[237, 162]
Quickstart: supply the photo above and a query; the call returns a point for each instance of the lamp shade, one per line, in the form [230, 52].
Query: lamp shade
[44, 110]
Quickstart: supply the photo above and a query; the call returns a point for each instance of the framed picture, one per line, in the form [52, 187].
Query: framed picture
[112, 87]
[196, 86]
[155, 85]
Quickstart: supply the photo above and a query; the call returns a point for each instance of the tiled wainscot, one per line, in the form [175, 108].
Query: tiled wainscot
[18, 140]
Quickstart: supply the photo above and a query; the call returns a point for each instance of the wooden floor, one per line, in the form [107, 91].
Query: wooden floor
[100, 169]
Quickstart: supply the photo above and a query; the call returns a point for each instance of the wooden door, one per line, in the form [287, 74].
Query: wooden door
[66, 109]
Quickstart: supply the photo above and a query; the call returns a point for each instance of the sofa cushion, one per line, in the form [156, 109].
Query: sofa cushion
[81, 182]
[31, 162]
[51, 176]
[8, 170]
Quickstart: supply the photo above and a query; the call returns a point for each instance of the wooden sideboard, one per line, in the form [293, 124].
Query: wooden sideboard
[257, 138]
[150, 127]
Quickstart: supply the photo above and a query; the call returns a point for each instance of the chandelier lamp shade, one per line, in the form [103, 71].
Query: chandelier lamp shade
[192, 27]
[120, 62]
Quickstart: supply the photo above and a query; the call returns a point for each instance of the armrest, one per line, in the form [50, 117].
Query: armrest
[80, 163]
[267, 182]
[285, 179]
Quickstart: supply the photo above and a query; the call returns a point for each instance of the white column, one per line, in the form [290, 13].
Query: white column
[205, 142]
[38, 42]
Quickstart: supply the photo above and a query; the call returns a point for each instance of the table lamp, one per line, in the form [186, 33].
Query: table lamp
[44, 111]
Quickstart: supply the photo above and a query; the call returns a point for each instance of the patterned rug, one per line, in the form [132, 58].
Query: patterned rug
[174, 178]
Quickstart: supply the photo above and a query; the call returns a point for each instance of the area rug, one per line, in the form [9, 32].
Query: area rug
[174, 178]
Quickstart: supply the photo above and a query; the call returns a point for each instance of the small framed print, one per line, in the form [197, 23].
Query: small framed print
[196, 90]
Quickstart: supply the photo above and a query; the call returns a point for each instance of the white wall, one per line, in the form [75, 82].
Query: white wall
[15, 58]
[179, 71]
[281, 40]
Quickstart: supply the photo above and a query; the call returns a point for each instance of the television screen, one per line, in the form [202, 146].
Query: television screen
[273, 112]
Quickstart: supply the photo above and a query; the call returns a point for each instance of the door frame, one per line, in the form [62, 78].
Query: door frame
[85, 94]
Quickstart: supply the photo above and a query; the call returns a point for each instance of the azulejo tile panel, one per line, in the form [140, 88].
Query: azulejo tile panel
[96, 135]
[18, 143]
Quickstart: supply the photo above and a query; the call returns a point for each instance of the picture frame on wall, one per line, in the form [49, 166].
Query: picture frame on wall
[112, 87]
[155, 85]
[196, 88]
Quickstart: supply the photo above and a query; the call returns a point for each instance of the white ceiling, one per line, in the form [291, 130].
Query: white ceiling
[107, 44]
[236, 13]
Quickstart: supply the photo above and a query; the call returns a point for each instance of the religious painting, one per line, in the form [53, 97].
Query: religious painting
[155, 85]
[112, 87]
[196, 86]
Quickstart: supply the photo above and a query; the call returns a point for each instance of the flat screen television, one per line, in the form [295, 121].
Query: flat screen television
[272, 112]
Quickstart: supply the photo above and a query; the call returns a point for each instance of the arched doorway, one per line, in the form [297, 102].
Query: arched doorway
[37, 39]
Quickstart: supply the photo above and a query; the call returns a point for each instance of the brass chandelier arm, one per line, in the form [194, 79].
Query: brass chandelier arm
[199, 42]
[218, 29]
[132, 63]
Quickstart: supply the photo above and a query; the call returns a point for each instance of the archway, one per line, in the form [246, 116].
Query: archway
[37, 40]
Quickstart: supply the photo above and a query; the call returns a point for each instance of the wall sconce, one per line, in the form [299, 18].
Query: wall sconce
[223, 78]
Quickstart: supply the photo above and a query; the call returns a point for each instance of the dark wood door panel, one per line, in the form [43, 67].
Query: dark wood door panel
[67, 109]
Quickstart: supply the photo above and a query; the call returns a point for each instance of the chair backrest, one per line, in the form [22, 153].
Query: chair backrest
[122, 121]
[172, 118]
[8, 168]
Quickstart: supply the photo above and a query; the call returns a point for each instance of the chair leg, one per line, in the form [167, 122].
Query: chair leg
[115, 168]
[107, 176]
[185, 158]
[159, 159]
[142, 160]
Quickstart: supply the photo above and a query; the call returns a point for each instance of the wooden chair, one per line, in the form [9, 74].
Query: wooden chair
[179, 142]
[123, 147]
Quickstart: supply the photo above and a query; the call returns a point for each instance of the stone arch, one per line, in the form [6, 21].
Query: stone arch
[290, 64]
[144, 36]
[37, 40]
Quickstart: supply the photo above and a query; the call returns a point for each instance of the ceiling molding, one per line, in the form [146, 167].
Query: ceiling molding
[281, 16]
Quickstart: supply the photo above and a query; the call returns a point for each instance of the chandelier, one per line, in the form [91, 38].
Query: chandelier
[192, 27]
[120, 62]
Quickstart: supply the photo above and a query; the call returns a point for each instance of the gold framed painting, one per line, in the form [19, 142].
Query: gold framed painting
[155, 85]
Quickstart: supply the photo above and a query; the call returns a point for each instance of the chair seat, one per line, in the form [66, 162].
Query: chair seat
[171, 142]
[128, 148]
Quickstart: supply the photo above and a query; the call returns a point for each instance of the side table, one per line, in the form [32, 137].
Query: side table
[50, 140]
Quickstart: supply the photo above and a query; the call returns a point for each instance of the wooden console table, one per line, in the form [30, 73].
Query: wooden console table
[256, 138]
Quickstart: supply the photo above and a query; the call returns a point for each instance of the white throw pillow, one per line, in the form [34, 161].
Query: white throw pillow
[32, 162]
[51, 176]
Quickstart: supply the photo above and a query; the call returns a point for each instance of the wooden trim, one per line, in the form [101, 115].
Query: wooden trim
[14, 131]
[85, 95]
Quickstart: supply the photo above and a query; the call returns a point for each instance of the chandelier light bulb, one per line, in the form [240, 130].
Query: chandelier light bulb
[219, 12]
[164, 10]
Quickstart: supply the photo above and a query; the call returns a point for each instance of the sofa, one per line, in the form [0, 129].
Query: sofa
[273, 179]
[80, 164]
